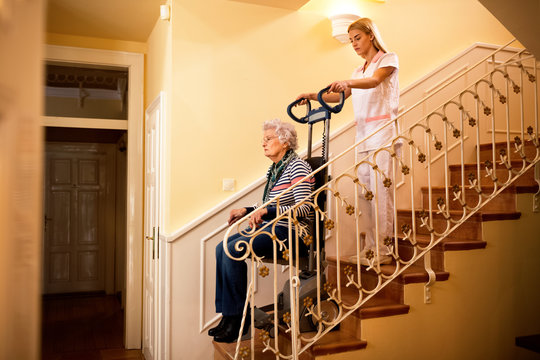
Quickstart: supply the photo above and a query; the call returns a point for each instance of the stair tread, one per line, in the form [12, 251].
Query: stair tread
[482, 168]
[412, 274]
[451, 243]
[227, 350]
[376, 306]
[451, 212]
[442, 188]
[480, 215]
[502, 144]
[335, 342]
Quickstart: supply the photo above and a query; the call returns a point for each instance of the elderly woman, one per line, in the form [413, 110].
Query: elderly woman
[279, 142]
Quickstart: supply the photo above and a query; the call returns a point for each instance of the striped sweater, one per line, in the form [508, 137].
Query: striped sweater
[293, 173]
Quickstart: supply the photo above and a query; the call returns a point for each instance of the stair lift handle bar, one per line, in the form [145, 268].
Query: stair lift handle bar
[302, 120]
[334, 109]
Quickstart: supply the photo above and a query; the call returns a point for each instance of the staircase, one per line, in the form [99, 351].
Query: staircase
[457, 167]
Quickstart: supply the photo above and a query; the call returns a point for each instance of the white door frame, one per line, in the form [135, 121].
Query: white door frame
[134, 62]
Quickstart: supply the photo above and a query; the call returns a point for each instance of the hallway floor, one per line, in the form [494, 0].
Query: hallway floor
[84, 327]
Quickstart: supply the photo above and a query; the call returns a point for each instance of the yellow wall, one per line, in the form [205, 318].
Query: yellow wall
[240, 64]
[158, 69]
[158, 61]
[491, 297]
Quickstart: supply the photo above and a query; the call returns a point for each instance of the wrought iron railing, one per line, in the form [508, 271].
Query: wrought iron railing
[499, 108]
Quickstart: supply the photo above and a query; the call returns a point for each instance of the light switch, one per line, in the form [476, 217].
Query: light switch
[228, 184]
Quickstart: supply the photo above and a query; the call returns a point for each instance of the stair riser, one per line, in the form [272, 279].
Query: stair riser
[487, 154]
[406, 252]
[224, 351]
[348, 330]
[393, 291]
[526, 180]
[470, 229]
[504, 202]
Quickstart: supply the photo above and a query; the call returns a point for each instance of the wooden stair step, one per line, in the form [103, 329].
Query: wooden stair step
[449, 244]
[390, 294]
[486, 150]
[370, 312]
[505, 201]
[338, 341]
[525, 183]
[376, 307]
[226, 351]
[342, 340]
[471, 229]
[415, 274]
[334, 342]
[496, 216]
[412, 274]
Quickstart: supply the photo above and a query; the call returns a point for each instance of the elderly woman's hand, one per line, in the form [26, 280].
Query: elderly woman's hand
[236, 214]
[256, 217]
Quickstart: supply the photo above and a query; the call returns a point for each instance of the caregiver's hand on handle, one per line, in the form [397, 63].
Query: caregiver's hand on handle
[338, 86]
[304, 97]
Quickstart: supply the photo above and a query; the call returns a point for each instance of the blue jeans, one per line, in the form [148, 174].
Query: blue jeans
[231, 275]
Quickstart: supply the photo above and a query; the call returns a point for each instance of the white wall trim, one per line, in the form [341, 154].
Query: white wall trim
[202, 274]
[134, 62]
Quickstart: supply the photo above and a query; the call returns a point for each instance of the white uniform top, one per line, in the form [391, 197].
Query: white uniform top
[374, 107]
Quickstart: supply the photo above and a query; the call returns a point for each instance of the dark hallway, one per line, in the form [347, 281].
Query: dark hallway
[84, 327]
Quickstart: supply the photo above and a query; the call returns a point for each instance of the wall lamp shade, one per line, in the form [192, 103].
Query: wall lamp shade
[164, 12]
[340, 23]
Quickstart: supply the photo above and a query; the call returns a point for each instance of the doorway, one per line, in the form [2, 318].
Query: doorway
[87, 128]
[84, 189]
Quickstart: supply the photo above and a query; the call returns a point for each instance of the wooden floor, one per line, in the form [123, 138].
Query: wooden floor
[84, 327]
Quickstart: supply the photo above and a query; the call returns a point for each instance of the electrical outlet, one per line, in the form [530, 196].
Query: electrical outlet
[228, 184]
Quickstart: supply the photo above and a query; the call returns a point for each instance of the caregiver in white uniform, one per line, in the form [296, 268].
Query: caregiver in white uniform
[375, 96]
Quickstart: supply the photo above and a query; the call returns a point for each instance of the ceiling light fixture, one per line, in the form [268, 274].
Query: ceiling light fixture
[340, 24]
[164, 12]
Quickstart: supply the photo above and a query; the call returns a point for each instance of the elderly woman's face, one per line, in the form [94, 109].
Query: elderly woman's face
[273, 148]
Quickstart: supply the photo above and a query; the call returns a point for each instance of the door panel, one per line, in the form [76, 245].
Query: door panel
[59, 270]
[88, 266]
[89, 218]
[60, 206]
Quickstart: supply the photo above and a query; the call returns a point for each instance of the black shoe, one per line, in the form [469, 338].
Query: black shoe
[215, 330]
[229, 332]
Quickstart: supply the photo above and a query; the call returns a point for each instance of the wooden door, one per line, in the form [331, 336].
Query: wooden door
[79, 186]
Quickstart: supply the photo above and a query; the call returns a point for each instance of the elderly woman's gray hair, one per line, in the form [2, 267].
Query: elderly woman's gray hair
[284, 131]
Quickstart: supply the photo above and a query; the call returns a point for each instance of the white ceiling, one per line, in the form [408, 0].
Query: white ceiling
[131, 20]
